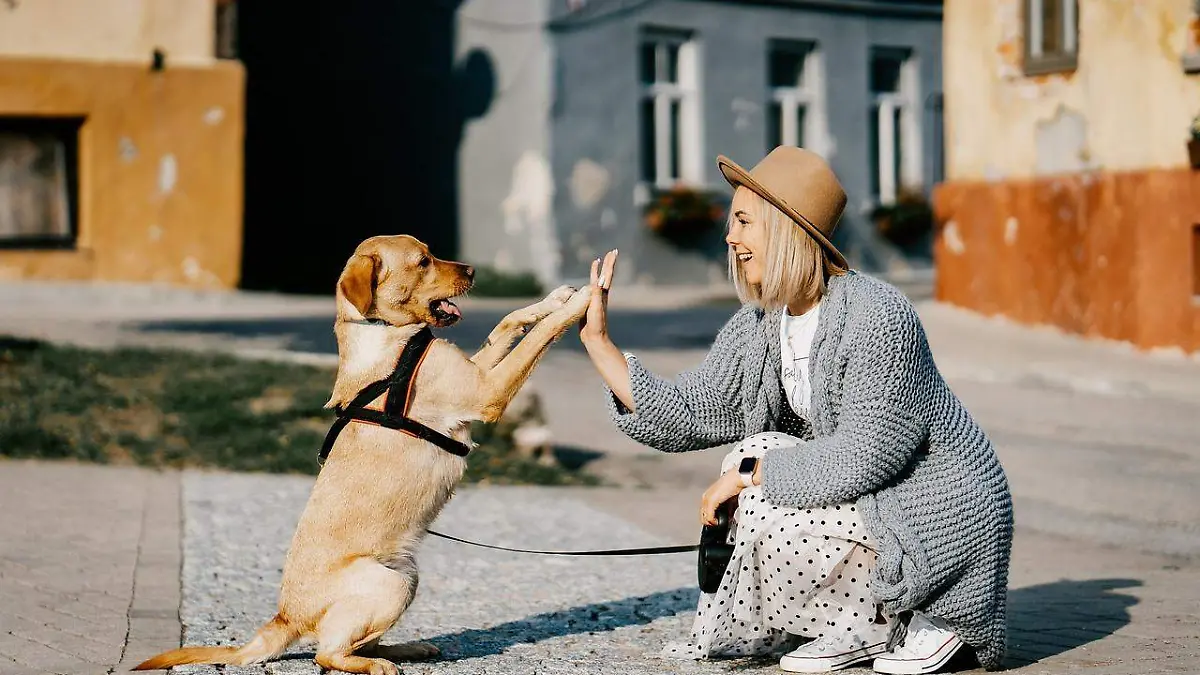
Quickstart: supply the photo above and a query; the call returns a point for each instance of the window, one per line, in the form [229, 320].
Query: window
[894, 123]
[1191, 50]
[38, 182]
[796, 104]
[226, 24]
[1051, 36]
[670, 116]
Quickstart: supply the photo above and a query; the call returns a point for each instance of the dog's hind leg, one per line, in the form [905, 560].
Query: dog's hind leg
[513, 326]
[357, 620]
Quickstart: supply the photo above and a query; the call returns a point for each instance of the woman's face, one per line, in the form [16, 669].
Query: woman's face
[747, 235]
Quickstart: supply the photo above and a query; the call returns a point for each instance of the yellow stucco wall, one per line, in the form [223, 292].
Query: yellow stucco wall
[160, 169]
[1128, 105]
[109, 30]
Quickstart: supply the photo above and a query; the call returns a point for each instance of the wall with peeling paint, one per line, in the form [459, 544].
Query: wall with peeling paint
[506, 189]
[108, 30]
[1070, 200]
[548, 174]
[1126, 107]
[160, 169]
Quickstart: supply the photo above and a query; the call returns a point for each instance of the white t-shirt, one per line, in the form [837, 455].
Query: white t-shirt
[796, 336]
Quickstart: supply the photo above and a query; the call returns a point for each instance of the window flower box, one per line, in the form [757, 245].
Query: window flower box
[684, 213]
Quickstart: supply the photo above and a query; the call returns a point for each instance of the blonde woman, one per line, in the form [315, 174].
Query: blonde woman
[873, 517]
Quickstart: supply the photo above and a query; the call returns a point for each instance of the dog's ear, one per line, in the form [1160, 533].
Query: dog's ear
[358, 282]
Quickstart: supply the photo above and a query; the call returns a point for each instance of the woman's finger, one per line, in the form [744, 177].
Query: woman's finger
[595, 270]
[610, 265]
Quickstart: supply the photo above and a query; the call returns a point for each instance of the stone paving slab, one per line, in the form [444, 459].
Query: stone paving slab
[89, 566]
[1074, 606]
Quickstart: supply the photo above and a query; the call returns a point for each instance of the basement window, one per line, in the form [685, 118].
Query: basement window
[38, 181]
[1051, 36]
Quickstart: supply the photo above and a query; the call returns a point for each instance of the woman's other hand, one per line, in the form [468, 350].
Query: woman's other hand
[594, 326]
[728, 486]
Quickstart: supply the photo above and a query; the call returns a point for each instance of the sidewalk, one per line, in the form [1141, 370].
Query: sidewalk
[89, 567]
[91, 580]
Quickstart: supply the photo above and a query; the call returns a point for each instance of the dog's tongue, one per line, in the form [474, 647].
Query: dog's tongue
[450, 308]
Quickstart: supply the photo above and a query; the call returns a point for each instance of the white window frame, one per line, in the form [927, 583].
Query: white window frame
[686, 91]
[809, 94]
[1037, 62]
[905, 101]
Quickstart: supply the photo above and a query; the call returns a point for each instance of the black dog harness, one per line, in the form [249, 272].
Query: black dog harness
[394, 415]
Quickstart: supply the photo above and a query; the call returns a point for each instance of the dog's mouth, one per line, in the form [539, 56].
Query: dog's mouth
[446, 313]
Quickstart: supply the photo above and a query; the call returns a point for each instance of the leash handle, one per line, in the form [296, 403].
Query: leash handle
[654, 550]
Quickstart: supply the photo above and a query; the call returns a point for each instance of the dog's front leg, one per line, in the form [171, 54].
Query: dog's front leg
[502, 382]
[513, 326]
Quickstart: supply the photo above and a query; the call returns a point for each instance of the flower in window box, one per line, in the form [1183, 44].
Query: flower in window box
[683, 212]
[906, 221]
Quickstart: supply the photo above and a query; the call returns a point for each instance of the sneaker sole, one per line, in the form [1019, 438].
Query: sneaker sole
[943, 654]
[824, 664]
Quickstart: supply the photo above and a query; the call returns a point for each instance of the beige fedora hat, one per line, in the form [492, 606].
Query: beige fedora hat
[801, 185]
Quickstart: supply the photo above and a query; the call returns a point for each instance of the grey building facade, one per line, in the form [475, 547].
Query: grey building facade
[593, 106]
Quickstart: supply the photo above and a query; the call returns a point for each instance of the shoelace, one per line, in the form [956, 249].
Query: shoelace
[920, 641]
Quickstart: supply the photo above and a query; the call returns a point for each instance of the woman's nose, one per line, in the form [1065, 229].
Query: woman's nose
[731, 237]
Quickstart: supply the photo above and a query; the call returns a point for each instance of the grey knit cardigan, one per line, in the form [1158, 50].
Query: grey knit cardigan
[886, 432]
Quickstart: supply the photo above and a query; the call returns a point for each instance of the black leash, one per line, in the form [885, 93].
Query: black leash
[654, 550]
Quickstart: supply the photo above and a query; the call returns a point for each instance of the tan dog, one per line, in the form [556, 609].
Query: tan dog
[351, 572]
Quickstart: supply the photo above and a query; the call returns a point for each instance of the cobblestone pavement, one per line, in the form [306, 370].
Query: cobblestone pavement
[89, 567]
[1073, 605]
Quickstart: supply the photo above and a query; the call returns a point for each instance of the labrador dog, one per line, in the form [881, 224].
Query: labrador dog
[351, 573]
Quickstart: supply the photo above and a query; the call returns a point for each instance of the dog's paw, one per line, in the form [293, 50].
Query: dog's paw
[578, 304]
[383, 667]
[559, 296]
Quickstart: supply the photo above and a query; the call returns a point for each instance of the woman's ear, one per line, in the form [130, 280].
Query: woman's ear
[358, 282]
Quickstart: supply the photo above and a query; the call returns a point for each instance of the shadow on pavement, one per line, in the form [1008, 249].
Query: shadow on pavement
[685, 328]
[1049, 619]
[604, 616]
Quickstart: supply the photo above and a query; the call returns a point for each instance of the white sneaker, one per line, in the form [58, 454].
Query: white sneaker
[928, 646]
[824, 655]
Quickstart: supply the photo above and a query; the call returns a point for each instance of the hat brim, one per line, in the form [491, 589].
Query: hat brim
[739, 177]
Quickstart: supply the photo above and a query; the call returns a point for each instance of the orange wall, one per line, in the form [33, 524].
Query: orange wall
[1107, 254]
[160, 169]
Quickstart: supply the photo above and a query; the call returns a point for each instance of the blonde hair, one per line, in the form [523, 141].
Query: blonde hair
[795, 266]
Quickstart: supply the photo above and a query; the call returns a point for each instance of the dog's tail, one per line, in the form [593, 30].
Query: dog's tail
[269, 642]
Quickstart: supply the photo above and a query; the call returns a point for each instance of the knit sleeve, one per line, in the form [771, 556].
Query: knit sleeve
[886, 391]
[700, 409]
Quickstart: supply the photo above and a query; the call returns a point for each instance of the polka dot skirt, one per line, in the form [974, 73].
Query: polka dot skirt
[802, 572]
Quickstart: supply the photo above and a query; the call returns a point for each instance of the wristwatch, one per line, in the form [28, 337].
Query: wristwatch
[746, 470]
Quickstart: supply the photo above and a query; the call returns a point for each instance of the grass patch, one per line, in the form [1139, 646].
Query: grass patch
[182, 409]
[493, 283]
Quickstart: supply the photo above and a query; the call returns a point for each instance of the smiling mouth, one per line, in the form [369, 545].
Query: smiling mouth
[445, 312]
[745, 257]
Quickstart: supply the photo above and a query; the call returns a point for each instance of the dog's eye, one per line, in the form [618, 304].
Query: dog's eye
[424, 262]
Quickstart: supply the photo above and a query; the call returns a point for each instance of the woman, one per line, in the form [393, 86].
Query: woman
[873, 516]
